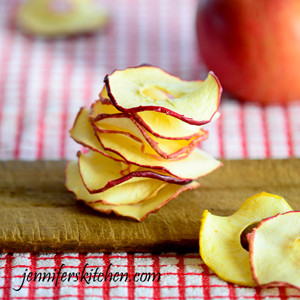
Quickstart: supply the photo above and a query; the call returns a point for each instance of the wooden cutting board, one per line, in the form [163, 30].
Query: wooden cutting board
[37, 214]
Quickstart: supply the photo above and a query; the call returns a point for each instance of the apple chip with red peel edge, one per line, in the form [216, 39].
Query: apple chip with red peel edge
[100, 173]
[197, 164]
[141, 210]
[104, 98]
[121, 197]
[220, 237]
[123, 194]
[165, 126]
[106, 109]
[274, 247]
[83, 133]
[168, 149]
[149, 88]
[159, 124]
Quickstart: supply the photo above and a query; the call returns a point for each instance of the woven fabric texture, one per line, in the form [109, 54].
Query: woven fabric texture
[42, 85]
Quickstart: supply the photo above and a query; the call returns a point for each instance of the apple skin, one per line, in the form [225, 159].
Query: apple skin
[252, 46]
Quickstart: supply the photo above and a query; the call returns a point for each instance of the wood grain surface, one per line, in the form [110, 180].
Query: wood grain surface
[37, 214]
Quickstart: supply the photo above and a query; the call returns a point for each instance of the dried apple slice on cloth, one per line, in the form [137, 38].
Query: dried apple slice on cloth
[122, 197]
[127, 193]
[60, 17]
[220, 237]
[100, 173]
[197, 164]
[168, 149]
[274, 248]
[150, 88]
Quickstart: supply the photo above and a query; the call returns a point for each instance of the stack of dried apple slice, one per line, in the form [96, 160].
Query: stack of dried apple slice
[143, 136]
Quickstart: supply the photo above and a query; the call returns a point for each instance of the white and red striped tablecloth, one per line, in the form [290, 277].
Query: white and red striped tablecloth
[42, 85]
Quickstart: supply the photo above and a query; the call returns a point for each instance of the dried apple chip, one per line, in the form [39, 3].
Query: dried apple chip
[147, 88]
[121, 148]
[141, 210]
[60, 17]
[83, 133]
[123, 194]
[124, 200]
[274, 247]
[165, 126]
[100, 173]
[168, 149]
[220, 237]
[159, 124]
[197, 164]
[103, 107]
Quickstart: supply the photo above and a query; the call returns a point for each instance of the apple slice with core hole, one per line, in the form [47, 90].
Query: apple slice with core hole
[220, 237]
[197, 164]
[100, 173]
[275, 250]
[123, 123]
[146, 88]
[137, 211]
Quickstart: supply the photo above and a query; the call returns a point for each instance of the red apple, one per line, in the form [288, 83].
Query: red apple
[252, 46]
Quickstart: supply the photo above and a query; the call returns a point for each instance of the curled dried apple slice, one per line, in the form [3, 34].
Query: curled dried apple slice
[60, 17]
[122, 123]
[197, 164]
[220, 237]
[165, 126]
[82, 132]
[100, 173]
[159, 124]
[150, 88]
[168, 149]
[103, 107]
[123, 194]
[275, 250]
[122, 197]
[141, 210]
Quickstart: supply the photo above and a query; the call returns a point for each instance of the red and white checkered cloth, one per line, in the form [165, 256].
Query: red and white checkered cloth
[42, 85]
